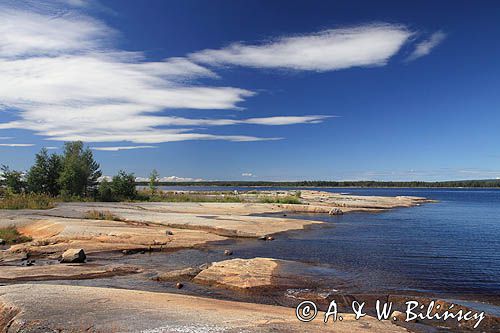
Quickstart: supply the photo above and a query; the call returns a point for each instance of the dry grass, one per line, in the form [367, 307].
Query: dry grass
[289, 199]
[12, 236]
[27, 201]
[101, 215]
[188, 197]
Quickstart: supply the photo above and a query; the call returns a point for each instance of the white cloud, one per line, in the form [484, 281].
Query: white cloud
[170, 179]
[64, 79]
[26, 33]
[368, 45]
[77, 3]
[247, 174]
[51, 148]
[66, 83]
[180, 179]
[16, 144]
[286, 120]
[425, 47]
[122, 148]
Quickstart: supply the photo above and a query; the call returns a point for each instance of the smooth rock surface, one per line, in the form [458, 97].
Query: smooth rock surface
[63, 272]
[73, 256]
[267, 273]
[58, 308]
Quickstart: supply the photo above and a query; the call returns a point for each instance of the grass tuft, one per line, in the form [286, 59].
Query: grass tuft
[101, 215]
[289, 199]
[27, 201]
[12, 236]
[188, 197]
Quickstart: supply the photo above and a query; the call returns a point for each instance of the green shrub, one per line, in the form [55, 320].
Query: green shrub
[105, 192]
[12, 236]
[123, 186]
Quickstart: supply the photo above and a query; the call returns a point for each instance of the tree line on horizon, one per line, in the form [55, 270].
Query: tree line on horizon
[490, 183]
[76, 175]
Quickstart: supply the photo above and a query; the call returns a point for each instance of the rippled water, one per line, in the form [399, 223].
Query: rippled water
[449, 248]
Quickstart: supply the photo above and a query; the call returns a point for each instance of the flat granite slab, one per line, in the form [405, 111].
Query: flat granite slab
[260, 274]
[63, 272]
[56, 308]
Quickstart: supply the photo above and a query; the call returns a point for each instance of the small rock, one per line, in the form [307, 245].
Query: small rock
[335, 211]
[169, 233]
[228, 252]
[270, 238]
[262, 238]
[179, 285]
[204, 266]
[2, 241]
[73, 256]
[30, 262]
[284, 214]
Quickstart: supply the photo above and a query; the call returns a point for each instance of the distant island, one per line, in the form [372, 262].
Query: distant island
[484, 183]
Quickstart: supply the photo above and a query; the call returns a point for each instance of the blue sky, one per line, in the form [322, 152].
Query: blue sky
[261, 90]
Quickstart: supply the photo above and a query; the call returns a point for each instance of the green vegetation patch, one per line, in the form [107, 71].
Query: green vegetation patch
[27, 201]
[12, 236]
[187, 197]
[289, 199]
[101, 215]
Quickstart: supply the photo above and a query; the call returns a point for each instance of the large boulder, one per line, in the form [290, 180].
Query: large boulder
[73, 256]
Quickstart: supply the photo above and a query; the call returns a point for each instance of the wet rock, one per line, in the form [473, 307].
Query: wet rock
[118, 310]
[270, 238]
[179, 285]
[204, 266]
[228, 252]
[31, 272]
[73, 256]
[2, 241]
[180, 274]
[260, 274]
[335, 211]
[262, 238]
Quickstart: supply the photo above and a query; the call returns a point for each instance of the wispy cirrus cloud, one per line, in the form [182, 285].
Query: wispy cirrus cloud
[16, 144]
[65, 80]
[425, 47]
[334, 49]
[118, 148]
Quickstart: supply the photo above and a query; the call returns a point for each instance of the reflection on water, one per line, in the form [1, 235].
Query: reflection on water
[451, 247]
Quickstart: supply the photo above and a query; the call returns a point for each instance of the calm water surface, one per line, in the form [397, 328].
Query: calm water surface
[449, 248]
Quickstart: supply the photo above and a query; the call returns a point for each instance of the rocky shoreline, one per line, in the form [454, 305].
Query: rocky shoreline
[164, 228]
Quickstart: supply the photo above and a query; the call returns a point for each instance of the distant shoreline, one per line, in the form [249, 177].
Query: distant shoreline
[467, 184]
